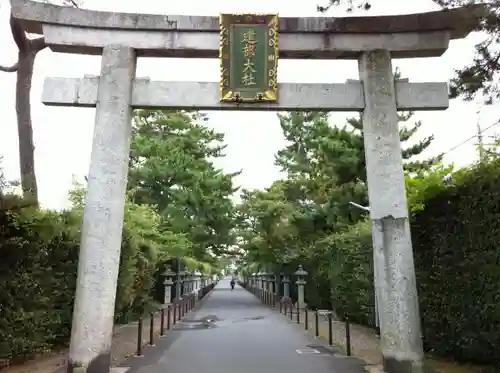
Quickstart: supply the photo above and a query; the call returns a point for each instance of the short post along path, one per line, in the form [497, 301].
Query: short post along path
[121, 37]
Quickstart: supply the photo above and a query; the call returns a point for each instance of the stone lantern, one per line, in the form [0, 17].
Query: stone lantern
[286, 288]
[196, 280]
[169, 275]
[264, 281]
[202, 280]
[300, 273]
[187, 280]
[270, 283]
[179, 285]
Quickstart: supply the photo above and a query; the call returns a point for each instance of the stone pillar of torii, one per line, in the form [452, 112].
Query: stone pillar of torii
[121, 37]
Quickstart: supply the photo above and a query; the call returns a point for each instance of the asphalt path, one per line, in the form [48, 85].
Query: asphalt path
[233, 332]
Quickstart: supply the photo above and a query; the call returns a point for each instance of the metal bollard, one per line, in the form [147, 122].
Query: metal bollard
[298, 314]
[162, 322]
[139, 337]
[316, 323]
[330, 331]
[291, 311]
[347, 336]
[152, 329]
[175, 314]
[168, 316]
[306, 319]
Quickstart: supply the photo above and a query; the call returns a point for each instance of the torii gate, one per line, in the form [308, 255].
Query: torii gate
[120, 38]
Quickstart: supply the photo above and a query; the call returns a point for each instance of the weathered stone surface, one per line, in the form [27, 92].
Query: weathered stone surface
[393, 255]
[98, 263]
[187, 44]
[459, 21]
[70, 30]
[205, 96]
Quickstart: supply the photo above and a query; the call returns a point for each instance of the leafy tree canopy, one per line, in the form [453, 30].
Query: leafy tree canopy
[171, 168]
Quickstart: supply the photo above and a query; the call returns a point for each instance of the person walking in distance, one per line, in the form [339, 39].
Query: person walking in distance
[232, 284]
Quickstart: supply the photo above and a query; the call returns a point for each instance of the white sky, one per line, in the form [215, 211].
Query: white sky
[63, 136]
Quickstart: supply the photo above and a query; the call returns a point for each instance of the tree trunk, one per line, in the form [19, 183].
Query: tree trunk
[24, 125]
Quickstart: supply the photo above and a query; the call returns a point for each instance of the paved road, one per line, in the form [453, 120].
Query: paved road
[234, 333]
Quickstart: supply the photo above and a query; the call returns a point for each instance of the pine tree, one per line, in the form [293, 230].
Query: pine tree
[326, 164]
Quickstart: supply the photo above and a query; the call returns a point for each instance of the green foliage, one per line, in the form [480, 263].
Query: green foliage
[455, 231]
[351, 278]
[306, 219]
[325, 165]
[424, 185]
[177, 205]
[481, 75]
[35, 309]
[455, 239]
[171, 169]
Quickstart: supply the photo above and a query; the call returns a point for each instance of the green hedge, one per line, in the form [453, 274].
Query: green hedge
[38, 256]
[456, 239]
[38, 267]
[347, 267]
[457, 258]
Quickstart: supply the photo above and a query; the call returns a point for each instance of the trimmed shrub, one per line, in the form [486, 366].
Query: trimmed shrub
[456, 239]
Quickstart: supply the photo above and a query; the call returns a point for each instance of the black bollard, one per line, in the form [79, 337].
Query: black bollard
[298, 314]
[175, 314]
[139, 337]
[291, 311]
[347, 336]
[281, 307]
[152, 329]
[316, 323]
[306, 319]
[169, 314]
[330, 331]
[162, 322]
